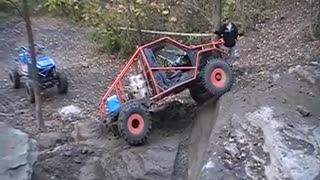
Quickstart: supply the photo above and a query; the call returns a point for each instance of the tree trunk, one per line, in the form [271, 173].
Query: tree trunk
[240, 5]
[216, 14]
[315, 18]
[34, 72]
[244, 19]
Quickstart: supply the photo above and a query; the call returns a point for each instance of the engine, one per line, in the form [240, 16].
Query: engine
[138, 88]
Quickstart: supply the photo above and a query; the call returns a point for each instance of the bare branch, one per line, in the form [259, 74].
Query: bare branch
[202, 12]
[14, 5]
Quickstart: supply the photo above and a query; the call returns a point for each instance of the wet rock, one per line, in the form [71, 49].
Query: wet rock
[46, 140]
[215, 171]
[70, 112]
[92, 170]
[311, 94]
[303, 111]
[286, 154]
[87, 150]
[84, 150]
[294, 69]
[154, 161]
[308, 73]
[284, 101]
[87, 130]
[18, 153]
[84, 64]
[77, 160]
[315, 63]
[67, 153]
[232, 149]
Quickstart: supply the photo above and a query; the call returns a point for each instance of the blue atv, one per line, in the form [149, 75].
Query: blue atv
[47, 74]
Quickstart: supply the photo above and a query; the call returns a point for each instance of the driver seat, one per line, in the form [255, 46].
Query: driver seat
[160, 76]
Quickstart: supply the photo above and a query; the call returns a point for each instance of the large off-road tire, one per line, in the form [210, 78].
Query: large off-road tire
[30, 91]
[134, 123]
[14, 78]
[62, 83]
[217, 77]
[199, 94]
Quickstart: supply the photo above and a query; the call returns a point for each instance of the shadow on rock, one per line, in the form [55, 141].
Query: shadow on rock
[204, 122]
[175, 116]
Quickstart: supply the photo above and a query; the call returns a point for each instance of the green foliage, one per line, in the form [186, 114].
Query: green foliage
[229, 9]
[5, 5]
[168, 15]
[109, 39]
[88, 11]
[69, 8]
[10, 9]
[92, 13]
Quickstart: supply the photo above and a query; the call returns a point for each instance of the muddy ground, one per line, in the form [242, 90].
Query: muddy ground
[258, 130]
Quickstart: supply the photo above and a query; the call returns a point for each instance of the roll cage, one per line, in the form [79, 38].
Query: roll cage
[160, 84]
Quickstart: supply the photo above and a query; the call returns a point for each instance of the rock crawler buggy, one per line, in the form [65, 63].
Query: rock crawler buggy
[47, 74]
[157, 70]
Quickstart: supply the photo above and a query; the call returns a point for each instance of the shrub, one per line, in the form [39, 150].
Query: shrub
[108, 39]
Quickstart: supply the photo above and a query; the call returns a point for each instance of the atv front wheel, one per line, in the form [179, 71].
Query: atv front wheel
[134, 123]
[62, 83]
[199, 94]
[29, 91]
[217, 77]
[14, 78]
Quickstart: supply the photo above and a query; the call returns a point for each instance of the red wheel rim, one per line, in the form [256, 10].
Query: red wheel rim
[218, 77]
[135, 124]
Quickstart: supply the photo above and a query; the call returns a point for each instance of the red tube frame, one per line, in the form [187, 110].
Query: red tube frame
[157, 92]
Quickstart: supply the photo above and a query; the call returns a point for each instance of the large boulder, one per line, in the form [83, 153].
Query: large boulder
[46, 140]
[70, 113]
[88, 131]
[153, 161]
[257, 136]
[18, 153]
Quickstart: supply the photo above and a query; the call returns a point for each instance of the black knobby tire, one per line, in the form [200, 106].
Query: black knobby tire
[14, 78]
[217, 77]
[30, 91]
[199, 94]
[62, 83]
[134, 123]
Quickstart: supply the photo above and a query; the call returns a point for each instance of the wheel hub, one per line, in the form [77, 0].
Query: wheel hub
[218, 77]
[135, 124]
